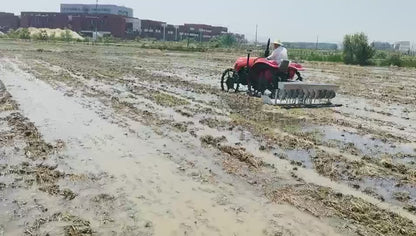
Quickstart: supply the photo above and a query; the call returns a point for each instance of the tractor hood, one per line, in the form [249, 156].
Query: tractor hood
[242, 62]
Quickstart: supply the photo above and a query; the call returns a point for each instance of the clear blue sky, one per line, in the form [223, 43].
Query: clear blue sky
[300, 20]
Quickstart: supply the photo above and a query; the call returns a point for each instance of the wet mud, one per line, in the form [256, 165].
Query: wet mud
[117, 140]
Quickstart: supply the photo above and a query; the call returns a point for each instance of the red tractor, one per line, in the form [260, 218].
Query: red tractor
[261, 75]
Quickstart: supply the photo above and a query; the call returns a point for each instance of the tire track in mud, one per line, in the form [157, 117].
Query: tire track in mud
[26, 170]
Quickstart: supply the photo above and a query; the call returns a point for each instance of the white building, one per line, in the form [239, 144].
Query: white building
[134, 24]
[402, 46]
[96, 9]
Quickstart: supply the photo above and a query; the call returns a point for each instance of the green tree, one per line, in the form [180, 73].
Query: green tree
[24, 33]
[12, 33]
[394, 59]
[52, 36]
[357, 50]
[107, 39]
[348, 50]
[66, 35]
[380, 55]
[227, 40]
[43, 35]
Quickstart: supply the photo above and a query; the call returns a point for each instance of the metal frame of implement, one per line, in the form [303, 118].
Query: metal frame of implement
[299, 94]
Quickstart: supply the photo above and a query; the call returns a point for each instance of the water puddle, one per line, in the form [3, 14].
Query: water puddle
[299, 157]
[364, 143]
[388, 189]
[406, 160]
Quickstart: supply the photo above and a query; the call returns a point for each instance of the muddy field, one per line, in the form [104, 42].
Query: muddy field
[114, 140]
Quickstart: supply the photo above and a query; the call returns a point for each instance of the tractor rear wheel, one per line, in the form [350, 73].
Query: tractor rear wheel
[229, 80]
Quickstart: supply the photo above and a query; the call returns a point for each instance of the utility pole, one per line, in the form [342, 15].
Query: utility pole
[176, 33]
[257, 26]
[96, 21]
[164, 31]
[187, 44]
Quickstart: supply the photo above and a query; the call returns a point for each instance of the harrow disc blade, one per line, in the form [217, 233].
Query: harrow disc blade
[295, 93]
[312, 94]
[301, 94]
[282, 94]
[290, 93]
[305, 93]
[332, 94]
[321, 94]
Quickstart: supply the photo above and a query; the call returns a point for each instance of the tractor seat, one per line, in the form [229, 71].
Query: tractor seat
[283, 66]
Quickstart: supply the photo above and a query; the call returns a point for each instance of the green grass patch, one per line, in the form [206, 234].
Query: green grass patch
[292, 129]
[315, 55]
[167, 100]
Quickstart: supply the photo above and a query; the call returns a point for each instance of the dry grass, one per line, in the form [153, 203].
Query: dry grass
[324, 202]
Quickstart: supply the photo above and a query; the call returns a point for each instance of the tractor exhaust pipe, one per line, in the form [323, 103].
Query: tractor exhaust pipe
[248, 72]
[267, 52]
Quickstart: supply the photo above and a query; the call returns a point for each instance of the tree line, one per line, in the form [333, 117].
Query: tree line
[357, 51]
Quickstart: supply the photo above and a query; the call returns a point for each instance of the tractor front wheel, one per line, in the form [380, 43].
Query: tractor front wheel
[229, 80]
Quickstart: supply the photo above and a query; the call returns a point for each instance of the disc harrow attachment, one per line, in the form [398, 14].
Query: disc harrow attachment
[299, 94]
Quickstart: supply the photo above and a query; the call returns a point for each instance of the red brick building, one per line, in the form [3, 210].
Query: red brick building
[50, 20]
[120, 26]
[172, 33]
[108, 24]
[161, 31]
[8, 21]
[152, 29]
[81, 23]
[200, 32]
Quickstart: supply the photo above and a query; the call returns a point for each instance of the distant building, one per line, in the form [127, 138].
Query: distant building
[82, 23]
[96, 9]
[172, 33]
[133, 26]
[201, 32]
[115, 20]
[239, 37]
[382, 45]
[162, 31]
[402, 46]
[311, 45]
[152, 29]
[8, 21]
[50, 20]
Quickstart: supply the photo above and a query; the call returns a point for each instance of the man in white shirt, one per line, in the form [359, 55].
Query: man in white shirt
[279, 53]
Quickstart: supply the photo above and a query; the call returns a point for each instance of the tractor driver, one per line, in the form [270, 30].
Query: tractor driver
[279, 53]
